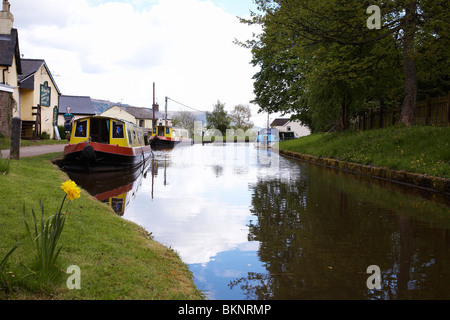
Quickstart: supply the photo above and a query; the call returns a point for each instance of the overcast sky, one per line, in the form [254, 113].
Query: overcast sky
[115, 49]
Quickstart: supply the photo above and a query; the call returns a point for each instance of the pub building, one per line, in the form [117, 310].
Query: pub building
[27, 88]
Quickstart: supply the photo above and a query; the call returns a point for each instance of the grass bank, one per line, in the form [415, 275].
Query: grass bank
[5, 142]
[117, 259]
[416, 149]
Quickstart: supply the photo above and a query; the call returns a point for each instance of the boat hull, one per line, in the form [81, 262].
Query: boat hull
[98, 157]
[161, 143]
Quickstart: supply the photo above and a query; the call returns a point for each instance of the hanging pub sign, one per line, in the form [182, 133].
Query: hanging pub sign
[55, 116]
[45, 94]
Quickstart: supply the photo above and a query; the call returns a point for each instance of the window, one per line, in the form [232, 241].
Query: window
[118, 130]
[99, 130]
[288, 128]
[167, 130]
[81, 129]
[130, 141]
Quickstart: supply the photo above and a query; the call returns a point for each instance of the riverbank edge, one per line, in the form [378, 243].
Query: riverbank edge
[437, 184]
[138, 233]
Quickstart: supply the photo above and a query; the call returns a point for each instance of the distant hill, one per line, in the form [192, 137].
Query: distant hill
[101, 106]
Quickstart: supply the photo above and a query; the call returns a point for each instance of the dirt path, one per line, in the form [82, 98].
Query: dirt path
[36, 150]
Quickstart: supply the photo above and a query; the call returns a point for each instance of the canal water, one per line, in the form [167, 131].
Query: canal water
[251, 224]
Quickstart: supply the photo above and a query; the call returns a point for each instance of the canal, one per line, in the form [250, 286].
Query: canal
[251, 224]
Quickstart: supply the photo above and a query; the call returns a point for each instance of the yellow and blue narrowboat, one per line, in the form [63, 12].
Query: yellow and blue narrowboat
[166, 137]
[99, 144]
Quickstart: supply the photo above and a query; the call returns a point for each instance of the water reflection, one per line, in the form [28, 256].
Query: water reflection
[117, 189]
[319, 234]
[253, 225]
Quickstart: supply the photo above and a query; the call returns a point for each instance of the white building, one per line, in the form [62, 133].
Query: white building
[286, 125]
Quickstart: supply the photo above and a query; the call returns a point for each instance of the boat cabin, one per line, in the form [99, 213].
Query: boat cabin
[106, 131]
[169, 132]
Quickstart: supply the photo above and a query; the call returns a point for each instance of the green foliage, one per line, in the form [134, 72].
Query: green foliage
[4, 165]
[420, 149]
[241, 117]
[185, 120]
[308, 48]
[45, 135]
[218, 119]
[4, 273]
[116, 258]
[62, 132]
[44, 238]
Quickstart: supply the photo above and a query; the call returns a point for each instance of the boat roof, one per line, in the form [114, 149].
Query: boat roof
[175, 128]
[103, 117]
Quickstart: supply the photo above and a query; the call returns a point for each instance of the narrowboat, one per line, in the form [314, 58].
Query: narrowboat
[266, 138]
[166, 137]
[100, 144]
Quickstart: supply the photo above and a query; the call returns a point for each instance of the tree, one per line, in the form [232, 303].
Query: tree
[218, 119]
[184, 119]
[306, 44]
[314, 78]
[241, 117]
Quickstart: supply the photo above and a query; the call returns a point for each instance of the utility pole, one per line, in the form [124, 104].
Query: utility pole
[153, 106]
[165, 116]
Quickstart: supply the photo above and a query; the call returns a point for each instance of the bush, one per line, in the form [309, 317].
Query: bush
[45, 135]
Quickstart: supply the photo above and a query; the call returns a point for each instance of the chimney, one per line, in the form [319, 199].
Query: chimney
[6, 18]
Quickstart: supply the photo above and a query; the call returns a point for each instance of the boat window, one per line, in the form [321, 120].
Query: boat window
[161, 131]
[118, 130]
[129, 137]
[134, 136]
[99, 131]
[167, 130]
[140, 137]
[154, 130]
[81, 129]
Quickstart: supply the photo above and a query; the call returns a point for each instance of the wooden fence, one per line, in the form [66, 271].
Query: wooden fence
[431, 111]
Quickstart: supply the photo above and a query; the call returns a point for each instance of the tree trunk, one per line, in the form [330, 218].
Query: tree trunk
[410, 100]
[345, 114]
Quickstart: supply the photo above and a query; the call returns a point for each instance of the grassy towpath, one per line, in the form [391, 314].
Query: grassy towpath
[5, 142]
[117, 258]
[417, 149]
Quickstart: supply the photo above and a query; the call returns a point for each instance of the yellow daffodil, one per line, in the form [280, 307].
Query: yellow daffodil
[71, 189]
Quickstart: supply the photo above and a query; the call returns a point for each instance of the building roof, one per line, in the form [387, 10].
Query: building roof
[77, 104]
[9, 48]
[279, 122]
[143, 113]
[30, 67]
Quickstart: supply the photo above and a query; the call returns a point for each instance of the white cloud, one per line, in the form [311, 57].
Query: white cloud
[194, 212]
[110, 50]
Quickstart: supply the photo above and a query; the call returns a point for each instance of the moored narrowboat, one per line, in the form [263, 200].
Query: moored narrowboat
[166, 137]
[266, 138]
[99, 144]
